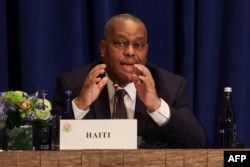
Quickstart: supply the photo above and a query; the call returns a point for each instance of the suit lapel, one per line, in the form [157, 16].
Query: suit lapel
[141, 115]
[101, 107]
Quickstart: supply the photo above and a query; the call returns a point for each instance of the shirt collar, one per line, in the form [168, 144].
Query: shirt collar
[130, 88]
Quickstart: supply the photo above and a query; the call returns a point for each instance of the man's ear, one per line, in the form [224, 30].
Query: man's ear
[102, 47]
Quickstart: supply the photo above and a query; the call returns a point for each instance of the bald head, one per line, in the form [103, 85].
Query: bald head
[109, 27]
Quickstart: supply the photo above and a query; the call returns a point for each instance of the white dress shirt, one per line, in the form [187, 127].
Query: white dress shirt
[160, 116]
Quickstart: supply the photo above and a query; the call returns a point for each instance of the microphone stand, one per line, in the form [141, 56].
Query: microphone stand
[115, 100]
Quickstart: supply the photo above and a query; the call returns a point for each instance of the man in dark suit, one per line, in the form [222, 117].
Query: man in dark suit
[155, 97]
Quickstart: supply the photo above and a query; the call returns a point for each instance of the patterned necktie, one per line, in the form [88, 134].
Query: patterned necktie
[120, 111]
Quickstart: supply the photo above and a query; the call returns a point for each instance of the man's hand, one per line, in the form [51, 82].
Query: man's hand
[145, 86]
[92, 87]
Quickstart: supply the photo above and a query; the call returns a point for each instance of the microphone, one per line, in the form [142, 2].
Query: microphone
[115, 86]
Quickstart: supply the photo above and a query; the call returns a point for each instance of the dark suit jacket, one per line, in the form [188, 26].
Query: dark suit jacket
[182, 130]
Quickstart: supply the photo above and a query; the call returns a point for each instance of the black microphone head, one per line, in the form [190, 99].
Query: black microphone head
[115, 85]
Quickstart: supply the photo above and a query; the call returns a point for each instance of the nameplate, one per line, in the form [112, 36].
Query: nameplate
[98, 134]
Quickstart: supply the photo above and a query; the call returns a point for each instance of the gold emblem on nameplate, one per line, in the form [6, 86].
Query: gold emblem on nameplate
[66, 127]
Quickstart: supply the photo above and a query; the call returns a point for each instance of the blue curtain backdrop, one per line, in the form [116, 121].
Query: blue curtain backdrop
[207, 41]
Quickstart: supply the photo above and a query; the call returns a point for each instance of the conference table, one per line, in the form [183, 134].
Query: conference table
[115, 158]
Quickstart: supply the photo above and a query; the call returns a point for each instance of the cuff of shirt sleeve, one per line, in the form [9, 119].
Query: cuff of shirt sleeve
[162, 114]
[78, 113]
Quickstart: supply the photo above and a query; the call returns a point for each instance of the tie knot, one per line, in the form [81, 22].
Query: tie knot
[121, 93]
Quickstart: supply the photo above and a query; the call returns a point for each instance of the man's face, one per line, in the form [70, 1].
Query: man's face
[124, 47]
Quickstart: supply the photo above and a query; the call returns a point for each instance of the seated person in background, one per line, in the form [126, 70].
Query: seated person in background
[155, 97]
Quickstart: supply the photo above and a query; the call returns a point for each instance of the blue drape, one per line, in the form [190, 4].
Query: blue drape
[206, 41]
